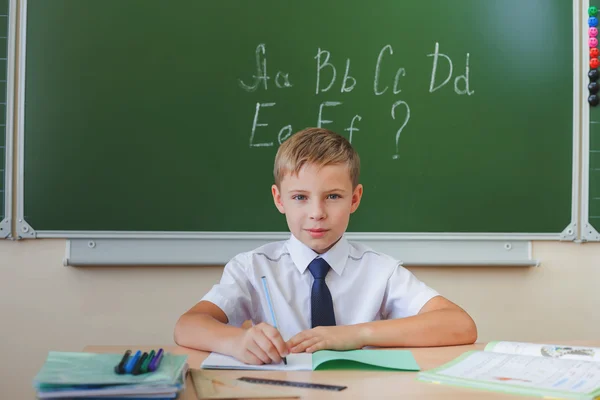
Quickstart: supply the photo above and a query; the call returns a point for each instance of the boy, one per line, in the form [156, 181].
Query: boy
[326, 292]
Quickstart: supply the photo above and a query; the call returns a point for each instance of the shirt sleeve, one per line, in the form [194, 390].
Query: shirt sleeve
[232, 293]
[405, 295]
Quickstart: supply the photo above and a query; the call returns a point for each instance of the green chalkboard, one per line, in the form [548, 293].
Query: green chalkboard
[148, 115]
[4, 167]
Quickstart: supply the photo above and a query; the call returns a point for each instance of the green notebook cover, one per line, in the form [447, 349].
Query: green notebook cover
[364, 360]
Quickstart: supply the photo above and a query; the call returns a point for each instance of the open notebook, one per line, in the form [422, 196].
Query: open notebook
[325, 359]
[545, 370]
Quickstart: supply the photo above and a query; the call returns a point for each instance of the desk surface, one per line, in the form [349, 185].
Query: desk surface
[361, 384]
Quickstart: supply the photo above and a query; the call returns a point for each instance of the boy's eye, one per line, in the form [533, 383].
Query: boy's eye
[299, 197]
[333, 196]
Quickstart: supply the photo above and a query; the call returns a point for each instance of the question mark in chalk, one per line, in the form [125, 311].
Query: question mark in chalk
[396, 104]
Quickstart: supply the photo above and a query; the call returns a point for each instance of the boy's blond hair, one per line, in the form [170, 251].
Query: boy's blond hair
[316, 146]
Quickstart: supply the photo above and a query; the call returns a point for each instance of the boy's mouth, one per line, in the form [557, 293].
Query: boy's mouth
[317, 233]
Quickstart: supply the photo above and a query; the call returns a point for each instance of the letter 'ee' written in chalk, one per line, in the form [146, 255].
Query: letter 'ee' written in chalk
[333, 83]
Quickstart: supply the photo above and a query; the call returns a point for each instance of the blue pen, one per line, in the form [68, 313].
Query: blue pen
[264, 281]
[132, 361]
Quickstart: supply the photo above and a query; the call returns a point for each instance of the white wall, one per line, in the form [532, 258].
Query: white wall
[46, 306]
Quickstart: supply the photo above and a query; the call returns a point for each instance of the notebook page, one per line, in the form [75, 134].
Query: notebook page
[526, 371]
[296, 362]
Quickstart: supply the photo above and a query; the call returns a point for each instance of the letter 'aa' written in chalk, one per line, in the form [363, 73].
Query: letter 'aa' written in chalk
[261, 77]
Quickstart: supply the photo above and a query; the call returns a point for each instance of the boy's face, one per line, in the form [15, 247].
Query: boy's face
[317, 204]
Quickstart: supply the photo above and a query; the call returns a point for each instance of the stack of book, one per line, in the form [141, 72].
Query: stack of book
[91, 375]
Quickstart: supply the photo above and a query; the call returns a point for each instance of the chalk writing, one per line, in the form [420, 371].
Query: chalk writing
[262, 135]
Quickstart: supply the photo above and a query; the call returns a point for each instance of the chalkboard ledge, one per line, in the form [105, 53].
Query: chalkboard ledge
[458, 251]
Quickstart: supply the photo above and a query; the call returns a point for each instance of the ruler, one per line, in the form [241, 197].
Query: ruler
[304, 385]
[218, 387]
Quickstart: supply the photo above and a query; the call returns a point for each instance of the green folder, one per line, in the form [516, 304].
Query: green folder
[71, 369]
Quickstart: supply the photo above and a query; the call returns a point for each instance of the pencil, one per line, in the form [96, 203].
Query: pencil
[264, 281]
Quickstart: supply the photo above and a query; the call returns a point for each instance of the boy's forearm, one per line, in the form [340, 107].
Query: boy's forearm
[444, 327]
[203, 332]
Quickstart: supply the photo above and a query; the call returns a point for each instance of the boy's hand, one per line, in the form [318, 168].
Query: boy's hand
[261, 344]
[327, 338]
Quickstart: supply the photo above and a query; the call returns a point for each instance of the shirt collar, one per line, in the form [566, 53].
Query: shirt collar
[302, 255]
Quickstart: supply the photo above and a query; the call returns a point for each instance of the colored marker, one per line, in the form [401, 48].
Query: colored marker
[156, 361]
[132, 361]
[138, 364]
[120, 368]
[146, 362]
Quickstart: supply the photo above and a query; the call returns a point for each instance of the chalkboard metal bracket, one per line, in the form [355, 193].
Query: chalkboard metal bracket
[570, 232]
[5, 228]
[24, 230]
[589, 233]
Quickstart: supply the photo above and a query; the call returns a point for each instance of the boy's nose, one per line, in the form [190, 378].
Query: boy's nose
[318, 211]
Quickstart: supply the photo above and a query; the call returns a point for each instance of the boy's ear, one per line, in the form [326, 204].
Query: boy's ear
[356, 196]
[277, 198]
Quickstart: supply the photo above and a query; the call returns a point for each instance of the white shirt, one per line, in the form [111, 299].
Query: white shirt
[365, 286]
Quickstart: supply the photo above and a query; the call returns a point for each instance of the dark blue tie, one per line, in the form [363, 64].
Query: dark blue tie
[321, 304]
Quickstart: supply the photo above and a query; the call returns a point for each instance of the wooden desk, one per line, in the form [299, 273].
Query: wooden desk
[361, 384]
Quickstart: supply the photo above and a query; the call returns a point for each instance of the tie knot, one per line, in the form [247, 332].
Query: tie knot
[318, 268]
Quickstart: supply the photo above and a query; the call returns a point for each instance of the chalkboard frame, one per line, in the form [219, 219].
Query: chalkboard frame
[90, 238]
[6, 222]
[589, 224]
